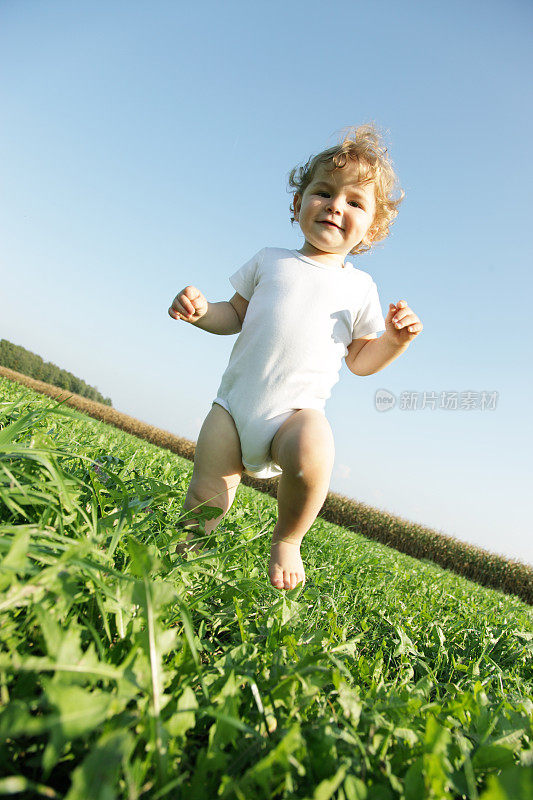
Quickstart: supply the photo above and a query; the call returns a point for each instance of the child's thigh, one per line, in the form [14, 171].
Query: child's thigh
[304, 440]
[217, 458]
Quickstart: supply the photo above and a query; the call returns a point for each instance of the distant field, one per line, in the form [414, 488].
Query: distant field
[127, 672]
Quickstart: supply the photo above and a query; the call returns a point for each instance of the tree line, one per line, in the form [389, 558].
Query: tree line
[18, 358]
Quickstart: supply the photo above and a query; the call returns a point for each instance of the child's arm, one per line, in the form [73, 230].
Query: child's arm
[401, 327]
[222, 318]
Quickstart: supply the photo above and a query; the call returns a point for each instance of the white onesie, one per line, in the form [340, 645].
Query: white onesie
[301, 317]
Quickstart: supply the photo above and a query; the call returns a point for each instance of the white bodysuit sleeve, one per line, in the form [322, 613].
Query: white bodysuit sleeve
[245, 279]
[369, 318]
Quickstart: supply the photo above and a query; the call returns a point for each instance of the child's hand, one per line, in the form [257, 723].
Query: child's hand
[408, 327]
[189, 305]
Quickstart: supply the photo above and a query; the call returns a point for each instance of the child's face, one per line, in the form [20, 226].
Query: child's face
[335, 212]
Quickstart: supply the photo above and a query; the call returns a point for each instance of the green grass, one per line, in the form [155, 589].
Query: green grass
[127, 672]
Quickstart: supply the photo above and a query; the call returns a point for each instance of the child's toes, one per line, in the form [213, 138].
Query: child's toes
[276, 577]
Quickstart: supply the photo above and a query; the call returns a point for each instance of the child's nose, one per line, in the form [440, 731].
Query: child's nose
[333, 203]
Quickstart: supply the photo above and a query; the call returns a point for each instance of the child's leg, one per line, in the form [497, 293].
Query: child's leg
[304, 449]
[217, 469]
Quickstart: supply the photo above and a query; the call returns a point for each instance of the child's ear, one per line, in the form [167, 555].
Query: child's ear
[297, 204]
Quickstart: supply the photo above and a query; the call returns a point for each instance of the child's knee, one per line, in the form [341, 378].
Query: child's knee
[314, 469]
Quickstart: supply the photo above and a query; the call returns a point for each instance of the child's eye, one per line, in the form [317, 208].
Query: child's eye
[356, 203]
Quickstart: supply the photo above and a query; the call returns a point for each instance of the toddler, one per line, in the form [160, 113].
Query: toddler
[298, 314]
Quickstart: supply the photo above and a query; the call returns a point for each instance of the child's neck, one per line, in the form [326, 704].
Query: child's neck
[319, 255]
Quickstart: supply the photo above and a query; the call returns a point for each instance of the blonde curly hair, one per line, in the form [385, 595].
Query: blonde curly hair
[363, 145]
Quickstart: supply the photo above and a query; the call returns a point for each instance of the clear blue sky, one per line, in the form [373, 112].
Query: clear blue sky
[146, 146]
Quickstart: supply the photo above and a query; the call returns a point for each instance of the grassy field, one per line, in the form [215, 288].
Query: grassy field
[483, 567]
[127, 672]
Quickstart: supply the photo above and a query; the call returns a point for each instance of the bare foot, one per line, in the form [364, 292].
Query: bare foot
[190, 544]
[286, 567]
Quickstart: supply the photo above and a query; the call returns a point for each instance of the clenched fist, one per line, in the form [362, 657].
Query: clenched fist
[189, 305]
